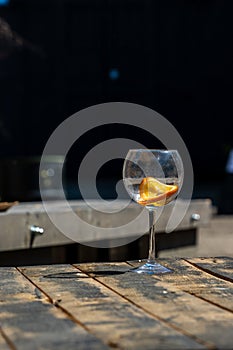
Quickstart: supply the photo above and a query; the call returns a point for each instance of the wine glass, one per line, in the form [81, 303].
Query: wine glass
[153, 179]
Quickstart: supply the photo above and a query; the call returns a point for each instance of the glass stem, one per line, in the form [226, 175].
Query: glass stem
[152, 239]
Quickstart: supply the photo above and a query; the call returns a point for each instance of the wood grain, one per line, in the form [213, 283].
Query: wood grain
[162, 297]
[107, 306]
[117, 321]
[193, 280]
[30, 321]
[221, 267]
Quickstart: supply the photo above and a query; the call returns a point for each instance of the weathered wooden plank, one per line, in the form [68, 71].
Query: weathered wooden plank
[203, 284]
[30, 321]
[221, 267]
[158, 296]
[195, 281]
[106, 314]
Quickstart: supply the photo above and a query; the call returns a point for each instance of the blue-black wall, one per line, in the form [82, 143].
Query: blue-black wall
[171, 55]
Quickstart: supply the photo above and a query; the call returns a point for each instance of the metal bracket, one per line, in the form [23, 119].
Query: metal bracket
[35, 231]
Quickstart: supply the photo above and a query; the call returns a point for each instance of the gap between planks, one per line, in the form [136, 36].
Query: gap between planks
[210, 272]
[7, 340]
[176, 328]
[216, 275]
[56, 304]
[66, 312]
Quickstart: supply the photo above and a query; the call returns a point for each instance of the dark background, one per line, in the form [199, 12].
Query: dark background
[175, 57]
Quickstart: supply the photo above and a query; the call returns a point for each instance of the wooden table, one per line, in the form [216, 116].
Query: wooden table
[105, 306]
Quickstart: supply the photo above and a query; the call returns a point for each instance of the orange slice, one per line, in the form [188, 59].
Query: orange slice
[154, 192]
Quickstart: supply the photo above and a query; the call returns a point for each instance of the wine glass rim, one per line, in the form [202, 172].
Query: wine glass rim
[153, 150]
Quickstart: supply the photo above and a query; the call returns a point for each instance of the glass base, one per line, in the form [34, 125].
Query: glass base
[151, 268]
